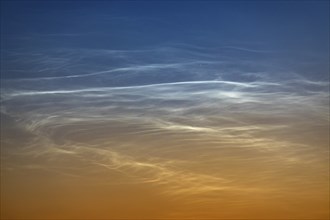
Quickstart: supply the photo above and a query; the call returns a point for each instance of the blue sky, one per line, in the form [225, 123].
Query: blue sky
[294, 30]
[283, 24]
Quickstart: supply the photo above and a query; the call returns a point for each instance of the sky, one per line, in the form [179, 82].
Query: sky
[164, 110]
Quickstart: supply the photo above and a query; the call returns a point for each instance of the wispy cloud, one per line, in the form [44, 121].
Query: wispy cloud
[194, 128]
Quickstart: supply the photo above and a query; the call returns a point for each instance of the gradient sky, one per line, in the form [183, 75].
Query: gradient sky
[164, 110]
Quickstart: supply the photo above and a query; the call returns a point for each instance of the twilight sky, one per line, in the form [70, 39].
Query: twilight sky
[164, 109]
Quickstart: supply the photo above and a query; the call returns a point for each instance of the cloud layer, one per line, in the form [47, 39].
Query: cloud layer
[196, 123]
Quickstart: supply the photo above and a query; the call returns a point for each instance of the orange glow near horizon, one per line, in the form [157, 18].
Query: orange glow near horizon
[197, 174]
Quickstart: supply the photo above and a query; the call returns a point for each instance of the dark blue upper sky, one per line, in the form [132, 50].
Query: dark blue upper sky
[299, 29]
[284, 24]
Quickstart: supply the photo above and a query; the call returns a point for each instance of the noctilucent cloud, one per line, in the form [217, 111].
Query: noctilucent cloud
[164, 110]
